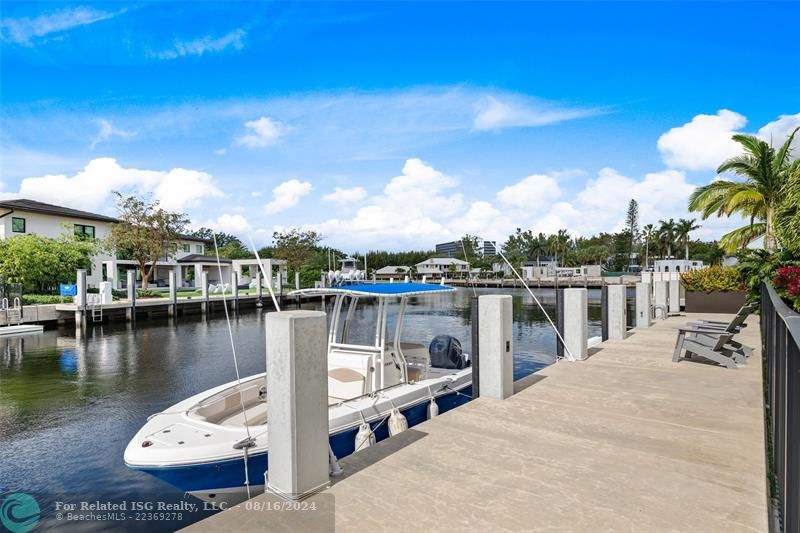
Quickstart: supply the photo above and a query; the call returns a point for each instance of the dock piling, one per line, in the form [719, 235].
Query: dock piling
[661, 298]
[204, 292]
[476, 350]
[131, 286]
[235, 291]
[496, 346]
[80, 298]
[575, 305]
[674, 290]
[617, 312]
[644, 308]
[172, 309]
[297, 400]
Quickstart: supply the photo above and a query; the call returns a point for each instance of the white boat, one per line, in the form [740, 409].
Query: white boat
[197, 445]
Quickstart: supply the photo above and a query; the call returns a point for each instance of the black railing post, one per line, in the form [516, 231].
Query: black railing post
[475, 360]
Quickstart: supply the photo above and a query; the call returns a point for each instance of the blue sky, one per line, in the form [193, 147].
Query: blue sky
[390, 125]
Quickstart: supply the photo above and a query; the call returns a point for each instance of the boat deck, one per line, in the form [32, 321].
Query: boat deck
[625, 441]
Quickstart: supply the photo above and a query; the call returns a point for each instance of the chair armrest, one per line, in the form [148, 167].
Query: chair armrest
[703, 331]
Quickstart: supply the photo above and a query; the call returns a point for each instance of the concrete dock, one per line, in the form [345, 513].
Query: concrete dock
[624, 441]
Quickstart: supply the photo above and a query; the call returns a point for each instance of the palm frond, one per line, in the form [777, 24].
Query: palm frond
[739, 238]
[784, 153]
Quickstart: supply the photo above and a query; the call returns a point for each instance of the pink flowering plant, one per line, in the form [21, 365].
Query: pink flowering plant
[787, 283]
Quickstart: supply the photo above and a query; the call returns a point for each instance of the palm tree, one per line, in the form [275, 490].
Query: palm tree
[683, 229]
[758, 197]
[648, 232]
[666, 234]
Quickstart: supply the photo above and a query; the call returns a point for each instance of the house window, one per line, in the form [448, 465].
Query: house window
[18, 225]
[186, 248]
[198, 248]
[84, 231]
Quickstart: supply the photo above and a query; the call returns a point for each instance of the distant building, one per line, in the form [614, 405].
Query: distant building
[677, 265]
[392, 272]
[453, 249]
[436, 267]
[544, 267]
[21, 217]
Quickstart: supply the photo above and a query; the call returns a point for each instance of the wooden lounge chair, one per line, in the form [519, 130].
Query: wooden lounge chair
[717, 352]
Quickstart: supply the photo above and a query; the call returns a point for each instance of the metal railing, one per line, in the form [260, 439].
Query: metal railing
[780, 338]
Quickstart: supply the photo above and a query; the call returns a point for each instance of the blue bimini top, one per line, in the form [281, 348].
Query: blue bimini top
[379, 290]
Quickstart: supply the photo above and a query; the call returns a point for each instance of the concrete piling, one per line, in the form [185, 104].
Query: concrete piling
[617, 312]
[204, 292]
[661, 298]
[674, 290]
[172, 309]
[80, 297]
[235, 292]
[576, 322]
[131, 285]
[496, 346]
[297, 400]
[644, 307]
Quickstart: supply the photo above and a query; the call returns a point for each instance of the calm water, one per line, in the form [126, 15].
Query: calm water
[70, 403]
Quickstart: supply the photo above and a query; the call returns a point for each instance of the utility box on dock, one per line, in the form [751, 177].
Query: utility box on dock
[496, 346]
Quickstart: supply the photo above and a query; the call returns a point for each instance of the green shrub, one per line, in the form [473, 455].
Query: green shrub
[759, 265]
[147, 293]
[41, 299]
[715, 278]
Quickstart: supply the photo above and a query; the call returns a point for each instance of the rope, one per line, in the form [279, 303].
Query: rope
[236, 367]
[469, 269]
[535, 299]
[264, 274]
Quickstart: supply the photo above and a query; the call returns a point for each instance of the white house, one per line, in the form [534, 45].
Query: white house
[392, 272]
[442, 266]
[20, 217]
[677, 265]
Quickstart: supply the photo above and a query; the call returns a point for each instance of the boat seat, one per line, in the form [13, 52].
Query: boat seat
[345, 383]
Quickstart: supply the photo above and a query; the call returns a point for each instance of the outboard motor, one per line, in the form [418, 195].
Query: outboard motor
[446, 353]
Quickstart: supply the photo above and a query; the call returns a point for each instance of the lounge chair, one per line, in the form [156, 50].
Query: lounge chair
[711, 328]
[734, 326]
[717, 352]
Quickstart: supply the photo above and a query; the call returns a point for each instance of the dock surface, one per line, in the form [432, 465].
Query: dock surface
[624, 441]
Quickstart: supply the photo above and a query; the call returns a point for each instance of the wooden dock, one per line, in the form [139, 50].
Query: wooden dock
[624, 441]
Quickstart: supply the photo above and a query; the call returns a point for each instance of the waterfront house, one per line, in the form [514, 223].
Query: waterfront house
[677, 265]
[22, 216]
[392, 272]
[438, 267]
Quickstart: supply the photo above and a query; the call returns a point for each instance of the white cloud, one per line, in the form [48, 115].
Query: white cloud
[227, 223]
[90, 188]
[221, 151]
[412, 212]
[198, 47]
[777, 131]
[532, 192]
[263, 132]
[23, 30]
[508, 111]
[346, 196]
[106, 130]
[704, 143]
[287, 195]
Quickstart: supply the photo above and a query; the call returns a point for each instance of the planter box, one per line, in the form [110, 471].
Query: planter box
[714, 302]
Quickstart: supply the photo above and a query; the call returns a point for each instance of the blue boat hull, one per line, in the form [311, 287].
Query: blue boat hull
[230, 472]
